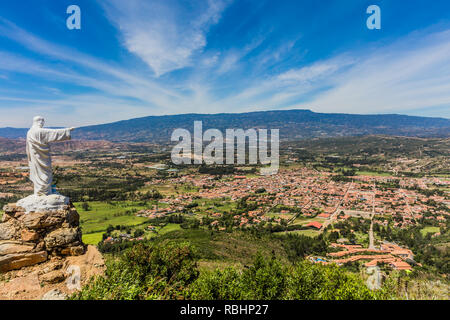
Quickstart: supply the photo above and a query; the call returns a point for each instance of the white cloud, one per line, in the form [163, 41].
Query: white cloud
[91, 72]
[232, 57]
[161, 33]
[410, 74]
[284, 88]
[313, 72]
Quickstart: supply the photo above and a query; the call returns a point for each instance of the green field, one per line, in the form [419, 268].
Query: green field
[95, 221]
[427, 230]
[101, 215]
[92, 238]
[305, 220]
[309, 232]
[169, 228]
[372, 173]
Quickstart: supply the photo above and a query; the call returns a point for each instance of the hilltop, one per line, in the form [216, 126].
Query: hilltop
[293, 125]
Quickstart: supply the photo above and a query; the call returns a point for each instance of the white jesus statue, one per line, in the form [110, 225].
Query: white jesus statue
[38, 151]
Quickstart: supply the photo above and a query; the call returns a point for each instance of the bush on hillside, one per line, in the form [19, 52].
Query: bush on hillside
[145, 271]
[169, 271]
[268, 279]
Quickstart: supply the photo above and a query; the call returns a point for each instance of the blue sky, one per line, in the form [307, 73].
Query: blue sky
[137, 58]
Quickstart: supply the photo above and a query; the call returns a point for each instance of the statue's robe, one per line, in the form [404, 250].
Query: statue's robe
[39, 160]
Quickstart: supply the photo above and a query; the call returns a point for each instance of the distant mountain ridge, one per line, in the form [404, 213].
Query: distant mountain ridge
[13, 133]
[17, 146]
[293, 124]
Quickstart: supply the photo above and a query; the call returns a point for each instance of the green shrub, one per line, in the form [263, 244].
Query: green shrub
[265, 279]
[169, 271]
[145, 271]
[318, 282]
[218, 285]
[171, 261]
[120, 282]
[269, 279]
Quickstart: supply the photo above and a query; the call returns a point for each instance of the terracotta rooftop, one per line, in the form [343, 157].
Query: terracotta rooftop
[314, 224]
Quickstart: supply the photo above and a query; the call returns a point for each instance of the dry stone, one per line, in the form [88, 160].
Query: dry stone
[5, 217]
[73, 251]
[62, 237]
[55, 276]
[19, 260]
[30, 237]
[12, 208]
[12, 247]
[9, 230]
[41, 220]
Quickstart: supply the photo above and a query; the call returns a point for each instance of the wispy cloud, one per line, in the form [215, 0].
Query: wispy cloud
[409, 74]
[231, 58]
[288, 87]
[161, 33]
[89, 72]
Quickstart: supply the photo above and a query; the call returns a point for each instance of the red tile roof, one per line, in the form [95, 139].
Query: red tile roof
[314, 224]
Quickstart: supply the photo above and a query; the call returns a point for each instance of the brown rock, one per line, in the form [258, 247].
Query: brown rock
[12, 208]
[30, 238]
[73, 251]
[5, 217]
[28, 285]
[55, 276]
[40, 246]
[8, 230]
[11, 247]
[62, 237]
[19, 260]
[19, 214]
[73, 218]
[52, 265]
[29, 235]
[41, 220]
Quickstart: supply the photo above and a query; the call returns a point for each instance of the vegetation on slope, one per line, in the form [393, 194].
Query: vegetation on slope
[170, 271]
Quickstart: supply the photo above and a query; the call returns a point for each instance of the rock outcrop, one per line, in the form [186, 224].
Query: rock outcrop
[31, 237]
[55, 279]
[42, 255]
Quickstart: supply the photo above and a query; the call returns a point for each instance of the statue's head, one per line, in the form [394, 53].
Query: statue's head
[38, 121]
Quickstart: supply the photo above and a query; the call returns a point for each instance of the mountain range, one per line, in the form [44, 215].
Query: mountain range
[293, 125]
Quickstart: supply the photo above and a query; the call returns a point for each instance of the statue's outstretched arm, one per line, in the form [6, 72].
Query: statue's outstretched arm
[53, 135]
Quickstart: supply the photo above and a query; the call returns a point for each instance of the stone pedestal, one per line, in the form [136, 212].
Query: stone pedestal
[31, 237]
